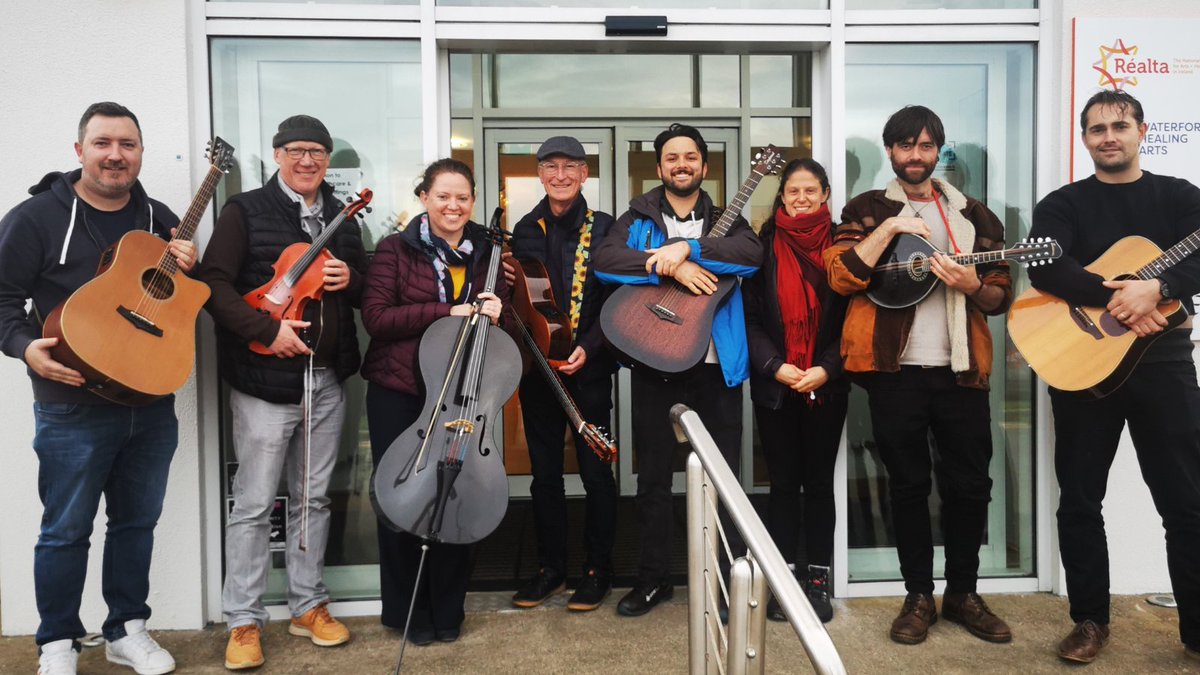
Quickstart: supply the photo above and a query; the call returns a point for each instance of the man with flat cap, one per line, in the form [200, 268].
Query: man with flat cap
[558, 233]
[286, 408]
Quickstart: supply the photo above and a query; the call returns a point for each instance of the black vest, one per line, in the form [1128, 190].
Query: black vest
[272, 223]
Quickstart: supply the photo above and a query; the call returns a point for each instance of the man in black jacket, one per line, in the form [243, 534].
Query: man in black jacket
[287, 407]
[50, 245]
[559, 233]
[1160, 400]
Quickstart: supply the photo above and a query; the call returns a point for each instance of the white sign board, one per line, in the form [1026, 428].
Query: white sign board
[1156, 61]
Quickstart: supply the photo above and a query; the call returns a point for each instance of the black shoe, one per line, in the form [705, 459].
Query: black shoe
[775, 611]
[817, 590]
[539, 589]
[447, 635]
[591, 592]
[421, 636]
[643, 597]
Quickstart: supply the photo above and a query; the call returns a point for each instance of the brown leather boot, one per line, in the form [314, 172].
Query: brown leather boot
[972, 612]
[1084, 642]
[916, 616]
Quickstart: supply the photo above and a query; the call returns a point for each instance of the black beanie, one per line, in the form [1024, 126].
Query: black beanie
[302, 128]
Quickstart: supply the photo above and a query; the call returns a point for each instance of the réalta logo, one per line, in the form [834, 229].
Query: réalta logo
[1119, 65]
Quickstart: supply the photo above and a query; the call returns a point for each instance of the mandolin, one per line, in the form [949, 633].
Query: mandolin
[533, 280]
[1086, 350]
[131, 331]
[297, 280]
[666, 327]
[903, 276]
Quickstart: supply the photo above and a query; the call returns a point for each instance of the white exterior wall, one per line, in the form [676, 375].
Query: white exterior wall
[1136, 544]
[58, 58]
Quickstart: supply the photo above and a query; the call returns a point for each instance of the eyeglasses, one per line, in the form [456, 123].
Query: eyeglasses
[317, 154]
[567, 168]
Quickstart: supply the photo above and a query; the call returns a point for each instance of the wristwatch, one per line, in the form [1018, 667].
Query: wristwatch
[1164, 290]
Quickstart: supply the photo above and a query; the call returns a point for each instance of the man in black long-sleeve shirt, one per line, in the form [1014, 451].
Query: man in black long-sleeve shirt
[1160, 400]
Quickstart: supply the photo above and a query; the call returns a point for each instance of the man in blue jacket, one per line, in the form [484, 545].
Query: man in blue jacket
[50, 245]
[663, 234]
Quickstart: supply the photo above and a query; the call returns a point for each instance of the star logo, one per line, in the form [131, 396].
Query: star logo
[1107, 78]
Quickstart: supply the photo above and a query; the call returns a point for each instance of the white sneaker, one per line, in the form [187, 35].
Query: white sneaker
[58, 658]
[139, 651]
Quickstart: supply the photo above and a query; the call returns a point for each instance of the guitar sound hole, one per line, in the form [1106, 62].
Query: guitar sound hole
[157, 284]
[917, 267]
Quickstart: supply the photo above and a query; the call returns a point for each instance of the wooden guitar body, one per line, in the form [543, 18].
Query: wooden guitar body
[1086, 350]
[665, 328]
[133, 342]
[534, 299]
[283, 301]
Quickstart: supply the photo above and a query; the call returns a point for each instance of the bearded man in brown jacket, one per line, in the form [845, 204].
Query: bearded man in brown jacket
[925, 368]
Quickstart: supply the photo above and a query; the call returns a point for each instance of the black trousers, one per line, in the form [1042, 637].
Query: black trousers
[1161, 403]
[545, 432]
[702, 388]
[906, 407]
[443, 587]
[800, 444]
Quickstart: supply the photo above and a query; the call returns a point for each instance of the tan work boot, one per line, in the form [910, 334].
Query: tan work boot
[317, 625]
[245, 648]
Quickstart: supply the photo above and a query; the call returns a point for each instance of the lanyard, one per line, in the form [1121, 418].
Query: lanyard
[937, 200]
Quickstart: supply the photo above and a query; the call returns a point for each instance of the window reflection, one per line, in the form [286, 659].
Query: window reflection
[941, 4]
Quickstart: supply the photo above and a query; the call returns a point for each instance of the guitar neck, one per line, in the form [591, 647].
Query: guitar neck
[191, 219]
[1170, 257]
[986, 256]
[729, 216]
[551, 377]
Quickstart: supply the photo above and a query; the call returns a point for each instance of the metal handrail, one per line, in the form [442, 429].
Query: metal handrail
[763, 552]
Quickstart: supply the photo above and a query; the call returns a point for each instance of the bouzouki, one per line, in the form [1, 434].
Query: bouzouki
[903, 276]
[533, 281]
[131, 331]
[666, 327]
[297, 279]
[1086, 350]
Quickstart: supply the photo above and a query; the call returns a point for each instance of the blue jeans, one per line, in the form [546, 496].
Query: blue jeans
[85, 451]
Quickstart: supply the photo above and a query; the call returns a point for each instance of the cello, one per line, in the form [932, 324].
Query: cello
[443, 478]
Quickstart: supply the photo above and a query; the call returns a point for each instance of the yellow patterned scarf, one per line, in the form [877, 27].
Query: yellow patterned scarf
[583, 255]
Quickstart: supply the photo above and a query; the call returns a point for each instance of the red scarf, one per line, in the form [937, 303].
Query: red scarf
[799, 242]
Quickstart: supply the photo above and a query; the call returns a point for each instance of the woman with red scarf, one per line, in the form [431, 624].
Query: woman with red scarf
[794, 329]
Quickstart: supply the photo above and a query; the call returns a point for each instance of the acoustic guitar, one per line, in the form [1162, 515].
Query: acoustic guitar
[1086, 350]
[542, 325]
[297, 280]
[904, 276]
[666, 327]
[131, 331]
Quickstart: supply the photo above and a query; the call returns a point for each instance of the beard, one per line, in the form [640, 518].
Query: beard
[685, 189]
[901, 171]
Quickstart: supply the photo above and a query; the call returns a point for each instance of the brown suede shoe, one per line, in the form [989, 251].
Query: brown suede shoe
[972, 612]
[916, 616]
[1084, 642]
[1191, 652]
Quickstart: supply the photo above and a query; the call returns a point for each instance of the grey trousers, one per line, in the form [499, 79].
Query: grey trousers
[266, 438]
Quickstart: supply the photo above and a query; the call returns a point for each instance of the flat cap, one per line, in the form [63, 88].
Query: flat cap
[561, 145]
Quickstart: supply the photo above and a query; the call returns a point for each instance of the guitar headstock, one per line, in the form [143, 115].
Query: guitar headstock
[768, 160]
[360, 203]
[600, 442]
[220, 154]
[1033, 252]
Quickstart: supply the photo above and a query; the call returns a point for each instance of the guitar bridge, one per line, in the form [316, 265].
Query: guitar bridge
[1085, 322]
[139, 322]
[664, 313]
[461, 425]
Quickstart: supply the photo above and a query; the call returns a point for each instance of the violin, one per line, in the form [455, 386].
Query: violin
[297, 280]
[543, 327]
[443, 478]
